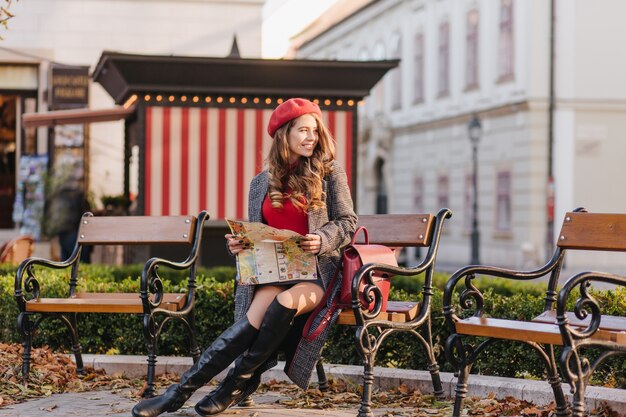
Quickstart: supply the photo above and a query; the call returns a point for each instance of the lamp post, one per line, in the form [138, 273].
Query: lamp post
[474, 130]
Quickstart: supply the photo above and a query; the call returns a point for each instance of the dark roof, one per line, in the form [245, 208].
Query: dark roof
[123, 75]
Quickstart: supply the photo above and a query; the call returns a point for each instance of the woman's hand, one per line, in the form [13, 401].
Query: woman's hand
[311, 243]
[235, 244]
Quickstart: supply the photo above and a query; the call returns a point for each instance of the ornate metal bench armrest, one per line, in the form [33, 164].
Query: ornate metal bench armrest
[586, 305]
[151, 282]
[27, 282]
[472, 298]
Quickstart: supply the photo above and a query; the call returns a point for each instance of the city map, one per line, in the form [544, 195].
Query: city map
[273, 256]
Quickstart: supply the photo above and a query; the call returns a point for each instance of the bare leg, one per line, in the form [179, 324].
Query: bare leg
[263, 297]
[303, 297]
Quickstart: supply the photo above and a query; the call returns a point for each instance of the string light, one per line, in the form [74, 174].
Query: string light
[243, 100]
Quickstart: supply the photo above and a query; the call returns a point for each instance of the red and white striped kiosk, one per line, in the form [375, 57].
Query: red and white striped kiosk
[200, 123]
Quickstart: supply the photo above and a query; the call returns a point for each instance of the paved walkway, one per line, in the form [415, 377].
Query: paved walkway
[119, 403]
[109, 403]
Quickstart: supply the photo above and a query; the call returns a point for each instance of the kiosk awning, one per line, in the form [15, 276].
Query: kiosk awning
[123, 75]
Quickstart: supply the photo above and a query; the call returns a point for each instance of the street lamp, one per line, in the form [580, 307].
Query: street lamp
[474, 130]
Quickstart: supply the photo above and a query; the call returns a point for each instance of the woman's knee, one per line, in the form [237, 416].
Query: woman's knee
[303, 297]
[263, 297]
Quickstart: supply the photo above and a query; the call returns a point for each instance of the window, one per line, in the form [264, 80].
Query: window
[505, 48]
[418, 69]
[503, 201]
[468, 202]
[378, 92]
[396, 74]
[471, 57]
[29, 144]
[381, 187]
[443, 87]
[442, 191]
[418, 194]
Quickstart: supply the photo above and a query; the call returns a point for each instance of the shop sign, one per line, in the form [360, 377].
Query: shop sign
[69, 87]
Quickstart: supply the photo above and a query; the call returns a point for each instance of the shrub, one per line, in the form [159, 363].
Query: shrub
[123, 333]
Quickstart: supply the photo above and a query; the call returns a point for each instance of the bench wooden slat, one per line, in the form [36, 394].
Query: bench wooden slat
[397, 311]
[593, 231]
[109, 230]
[524, 331]
[609, 323]
[510, 330]
[397, 230]
[102, 303]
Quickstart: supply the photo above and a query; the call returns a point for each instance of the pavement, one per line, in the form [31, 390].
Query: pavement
[119, 402]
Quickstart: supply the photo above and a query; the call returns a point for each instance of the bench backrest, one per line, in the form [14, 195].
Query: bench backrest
[593, 231]
[129, 230]
[398, 230]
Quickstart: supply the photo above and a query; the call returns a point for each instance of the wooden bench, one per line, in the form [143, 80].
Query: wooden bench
[153, 305]
[372, 327]
[555, 326]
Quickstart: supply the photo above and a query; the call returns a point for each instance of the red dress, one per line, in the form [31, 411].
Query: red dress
[288, 217]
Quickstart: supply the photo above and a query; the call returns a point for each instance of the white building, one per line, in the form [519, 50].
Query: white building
[75, 32]
[491, 58]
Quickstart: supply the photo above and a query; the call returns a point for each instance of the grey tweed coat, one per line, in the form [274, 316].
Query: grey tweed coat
[336, 224]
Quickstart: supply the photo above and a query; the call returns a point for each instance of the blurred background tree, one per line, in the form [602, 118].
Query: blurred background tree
[5, 14]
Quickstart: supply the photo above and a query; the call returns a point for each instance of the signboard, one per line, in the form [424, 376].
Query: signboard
[69, 87]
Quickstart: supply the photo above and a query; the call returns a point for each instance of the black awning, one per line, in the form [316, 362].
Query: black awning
[123, 75]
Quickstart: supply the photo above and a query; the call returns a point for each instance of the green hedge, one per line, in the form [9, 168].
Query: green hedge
[122, 333]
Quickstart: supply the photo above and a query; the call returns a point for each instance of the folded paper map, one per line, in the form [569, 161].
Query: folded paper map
[273, 256]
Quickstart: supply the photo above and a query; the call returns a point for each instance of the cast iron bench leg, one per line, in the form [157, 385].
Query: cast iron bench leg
[26, 328]
[321, 375]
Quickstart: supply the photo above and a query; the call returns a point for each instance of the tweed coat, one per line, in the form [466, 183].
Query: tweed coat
[336, 224]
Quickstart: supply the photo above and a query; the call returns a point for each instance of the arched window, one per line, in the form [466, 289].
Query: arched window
[381, 187]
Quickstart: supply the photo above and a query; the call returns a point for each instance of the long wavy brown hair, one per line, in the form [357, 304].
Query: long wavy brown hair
[305, 179]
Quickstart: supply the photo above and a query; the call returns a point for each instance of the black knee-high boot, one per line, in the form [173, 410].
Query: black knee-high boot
[226, 348]
[275, 326]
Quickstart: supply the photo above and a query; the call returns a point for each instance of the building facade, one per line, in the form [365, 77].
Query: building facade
[48, 33]
[545, 82]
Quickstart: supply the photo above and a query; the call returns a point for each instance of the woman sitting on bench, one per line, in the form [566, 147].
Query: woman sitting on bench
[304, 190]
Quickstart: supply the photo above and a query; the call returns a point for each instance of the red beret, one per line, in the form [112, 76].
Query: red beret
[289, 110]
